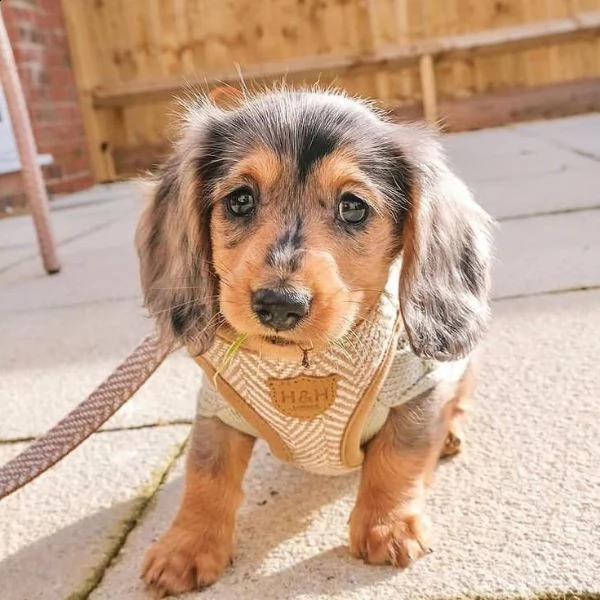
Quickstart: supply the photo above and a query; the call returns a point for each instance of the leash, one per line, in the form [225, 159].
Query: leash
[86, 418]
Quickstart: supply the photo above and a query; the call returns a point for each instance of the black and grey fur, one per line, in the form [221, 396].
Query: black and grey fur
[443, 234]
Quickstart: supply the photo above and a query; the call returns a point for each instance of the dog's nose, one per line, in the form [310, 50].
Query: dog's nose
[280, 308]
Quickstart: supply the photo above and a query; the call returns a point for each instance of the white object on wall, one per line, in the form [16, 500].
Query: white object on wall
[9, 156]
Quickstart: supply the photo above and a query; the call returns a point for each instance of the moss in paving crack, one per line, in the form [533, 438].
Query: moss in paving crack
[13, 441]
[159, 423]
[141, 502]
[539, 596]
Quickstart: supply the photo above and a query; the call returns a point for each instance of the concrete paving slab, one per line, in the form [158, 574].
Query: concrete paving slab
[75, 217]
[547, 253]
[18, 232]
[99, 262]
[102, 193]
[580, 133]
[515, 515]
[58, 532]
[12, 256]
[526, 195]
[54, 359]
[496, 142]
[87, 276]
[119, 235]
[18, 243]
[75, 214]
[500, 154]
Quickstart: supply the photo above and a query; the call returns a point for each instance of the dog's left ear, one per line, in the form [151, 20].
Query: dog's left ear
[446, 255]
[179, 283]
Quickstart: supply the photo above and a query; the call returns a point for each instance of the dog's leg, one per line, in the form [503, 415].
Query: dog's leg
[198, 546]
[455, 412]
[388, 524]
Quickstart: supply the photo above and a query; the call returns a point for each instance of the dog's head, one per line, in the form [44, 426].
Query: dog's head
[280, 217]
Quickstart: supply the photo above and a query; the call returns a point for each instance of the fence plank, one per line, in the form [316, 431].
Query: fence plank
[133, 56]
[84, 64]
[512, 38]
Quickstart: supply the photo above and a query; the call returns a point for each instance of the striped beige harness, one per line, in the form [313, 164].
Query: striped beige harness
[319, 416]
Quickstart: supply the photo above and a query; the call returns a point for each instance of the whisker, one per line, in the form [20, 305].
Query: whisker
[340, 346]
[358, 344]
[226, 283]
[218, 317]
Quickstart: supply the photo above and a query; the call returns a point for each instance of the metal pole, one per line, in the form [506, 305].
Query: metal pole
[33, 181]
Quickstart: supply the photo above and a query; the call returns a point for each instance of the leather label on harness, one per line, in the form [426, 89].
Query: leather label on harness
[303, 397]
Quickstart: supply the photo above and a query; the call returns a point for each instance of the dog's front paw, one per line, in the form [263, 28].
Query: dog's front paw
[183, 560]
[394, 538]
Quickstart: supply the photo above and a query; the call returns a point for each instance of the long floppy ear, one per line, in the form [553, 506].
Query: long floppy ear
[173, 242]
[446, 256]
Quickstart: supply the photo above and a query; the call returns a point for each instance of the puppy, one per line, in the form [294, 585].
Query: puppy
[330, 275]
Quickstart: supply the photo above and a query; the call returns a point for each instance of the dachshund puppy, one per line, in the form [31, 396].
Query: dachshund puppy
[330, 275]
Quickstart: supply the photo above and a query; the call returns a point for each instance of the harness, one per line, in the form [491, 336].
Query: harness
[320, 416]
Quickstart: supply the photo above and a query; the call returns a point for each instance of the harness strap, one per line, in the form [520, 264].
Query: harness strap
[86, 418]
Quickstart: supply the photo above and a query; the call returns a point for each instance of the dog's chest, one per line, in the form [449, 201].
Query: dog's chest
[313, 416]
[319, 416]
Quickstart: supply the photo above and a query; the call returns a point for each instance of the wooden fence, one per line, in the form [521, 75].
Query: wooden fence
[420, 57]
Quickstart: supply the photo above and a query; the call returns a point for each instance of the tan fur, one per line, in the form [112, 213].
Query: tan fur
[340, 171]
[456, 410]
[389, 522]
[343, 286]
[226, 96]
[261, 166]
[199, 544]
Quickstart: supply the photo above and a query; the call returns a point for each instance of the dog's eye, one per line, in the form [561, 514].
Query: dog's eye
[241, 203]
[352, 210]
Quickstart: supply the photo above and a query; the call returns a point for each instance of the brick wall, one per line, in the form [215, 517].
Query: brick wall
[39, 40]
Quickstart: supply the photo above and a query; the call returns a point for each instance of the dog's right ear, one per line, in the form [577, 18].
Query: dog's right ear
[178, 281]
[446, 254]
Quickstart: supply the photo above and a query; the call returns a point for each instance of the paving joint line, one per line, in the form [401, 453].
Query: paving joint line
[81, 304]
[66, 203]
[60, 244]
[158, 424]
[493, 179]
[17, 440]
[143, 501]
[547, 213]
[116, 429]
[558, 144]
[572, 290]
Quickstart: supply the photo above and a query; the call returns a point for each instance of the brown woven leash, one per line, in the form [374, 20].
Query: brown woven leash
[88, 417]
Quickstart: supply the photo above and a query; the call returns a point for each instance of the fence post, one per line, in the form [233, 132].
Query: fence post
[428, 88]
[76, 14]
